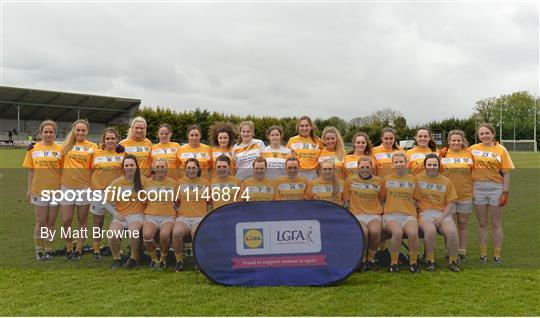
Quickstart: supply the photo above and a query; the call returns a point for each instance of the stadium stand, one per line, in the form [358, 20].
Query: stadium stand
[23, 109]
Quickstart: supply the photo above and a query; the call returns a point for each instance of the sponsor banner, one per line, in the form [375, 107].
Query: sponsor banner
[275, 243]
[279, 261]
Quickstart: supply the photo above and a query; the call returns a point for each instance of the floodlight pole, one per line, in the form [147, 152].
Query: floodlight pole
[534, 131]
[19, 106]
[500, 123]
[514, 115]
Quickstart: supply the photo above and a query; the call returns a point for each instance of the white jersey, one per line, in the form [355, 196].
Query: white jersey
[244, 155]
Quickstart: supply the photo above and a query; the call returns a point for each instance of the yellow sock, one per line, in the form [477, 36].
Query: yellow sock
[430, 257]
[80, 245]
[364, 259]
[462, 251]
[115, 254]
[135, 254]
[371, 255]
[452, 259]
[151, 249]
[497, 252]
[483, 249]
[48, 246]
[163, 257]
[394, 258]
[40, 244]
[178, 256]
[413, 256]
[69, 248]
[96, 246]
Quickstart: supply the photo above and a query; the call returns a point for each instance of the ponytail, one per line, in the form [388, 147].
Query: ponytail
[137, 183]
[393, 132]
[313, 128]
[431, 143]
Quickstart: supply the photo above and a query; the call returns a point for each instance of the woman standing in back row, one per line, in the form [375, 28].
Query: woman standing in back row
[222, 136]
[275, 154]
[138, 145]
[167, 150]
[44, 163]
[246, 150]
[106, 167]
[196, 150]
[491, 177]
[362, 148]
[334, 149]
[76, 175]
[423, 146]
[306, 147]
[457, 165]
[383, 153]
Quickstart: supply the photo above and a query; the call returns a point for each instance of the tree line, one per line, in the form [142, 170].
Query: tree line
[517, 116]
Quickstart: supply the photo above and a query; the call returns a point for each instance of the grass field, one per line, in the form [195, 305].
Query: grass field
[86, 287]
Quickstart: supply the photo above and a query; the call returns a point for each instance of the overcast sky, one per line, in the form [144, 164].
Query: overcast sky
[428, 60]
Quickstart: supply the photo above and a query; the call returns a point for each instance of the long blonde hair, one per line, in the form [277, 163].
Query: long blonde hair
[135, 120]
[340, 146]
[71, 139]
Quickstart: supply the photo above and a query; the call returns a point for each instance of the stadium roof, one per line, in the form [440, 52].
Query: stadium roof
[35, 104]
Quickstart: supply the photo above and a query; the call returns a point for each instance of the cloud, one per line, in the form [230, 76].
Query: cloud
[428, 60]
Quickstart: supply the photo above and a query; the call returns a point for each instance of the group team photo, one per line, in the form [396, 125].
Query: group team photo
[269, 158]
[395, 194]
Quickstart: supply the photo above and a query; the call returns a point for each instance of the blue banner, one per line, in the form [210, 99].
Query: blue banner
[279, 243]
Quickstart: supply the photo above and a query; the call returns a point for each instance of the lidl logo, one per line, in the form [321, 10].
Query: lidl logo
[253, 238]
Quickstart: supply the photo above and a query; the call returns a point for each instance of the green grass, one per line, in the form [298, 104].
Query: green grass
[86, 287]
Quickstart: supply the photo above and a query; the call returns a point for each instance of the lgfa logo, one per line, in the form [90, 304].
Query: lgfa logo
[253, 238]
[297, 236]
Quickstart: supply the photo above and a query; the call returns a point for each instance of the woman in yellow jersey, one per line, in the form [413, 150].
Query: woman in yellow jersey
[275, 154]
[423, 145]
[363, 191]
[246, 150]
[292, 186]
[44, 163]
[457, 165]
[106, 166]
[138, 145]
[491, 185]
[258, 187]
[435, 195]
[306, 147]
[193, 207]
[224, 188]
[362, 148]
[159, 214]
[328, 186]
[196, 150]
[334, 149]
[76, 178]
[399, 212]
[222, 136]
[166, 149]
[383, 153]
[127, 210]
